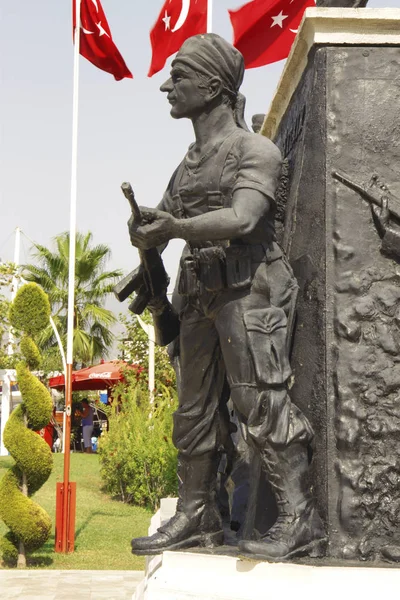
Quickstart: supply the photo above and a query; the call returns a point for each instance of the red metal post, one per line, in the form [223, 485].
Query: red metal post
[59, 513]
[71, 516]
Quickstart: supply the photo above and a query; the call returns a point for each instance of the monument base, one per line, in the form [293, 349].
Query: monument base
[192, 576]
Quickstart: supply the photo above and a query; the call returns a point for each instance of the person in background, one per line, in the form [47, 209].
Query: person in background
[87, 425]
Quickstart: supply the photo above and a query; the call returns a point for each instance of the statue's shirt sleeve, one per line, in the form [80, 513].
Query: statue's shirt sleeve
[259, 165]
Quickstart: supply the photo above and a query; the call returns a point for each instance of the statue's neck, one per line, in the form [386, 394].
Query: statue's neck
[213, 126]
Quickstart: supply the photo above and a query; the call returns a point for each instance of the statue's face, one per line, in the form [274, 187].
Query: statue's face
[185, 93]
[257, 123]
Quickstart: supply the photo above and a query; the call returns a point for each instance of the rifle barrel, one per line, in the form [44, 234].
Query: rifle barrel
[357, 188]
[130, 196]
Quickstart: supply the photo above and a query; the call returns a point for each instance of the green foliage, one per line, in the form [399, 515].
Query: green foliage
[33, 456]
[29, 524]
[51, 361]
[30, 311]
[27, 521]
[137, 456]
[7, 272]
[134, 346]
[37, 400]
[30, 352]
[8, 550]
[93, 284]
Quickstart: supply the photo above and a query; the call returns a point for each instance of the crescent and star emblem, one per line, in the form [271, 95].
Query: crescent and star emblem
[181, 19]
[102, 31]
[183, 15]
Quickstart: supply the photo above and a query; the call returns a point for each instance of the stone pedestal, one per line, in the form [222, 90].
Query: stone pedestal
[190, 576]
[337, 108]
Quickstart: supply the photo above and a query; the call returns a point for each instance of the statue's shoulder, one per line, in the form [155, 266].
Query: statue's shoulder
[255, 143]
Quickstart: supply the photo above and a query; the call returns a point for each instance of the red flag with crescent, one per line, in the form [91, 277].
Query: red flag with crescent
[96, 43]
[264, 30]
[177, 21]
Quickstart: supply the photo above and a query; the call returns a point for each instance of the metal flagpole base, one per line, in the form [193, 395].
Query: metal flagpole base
[70, 517]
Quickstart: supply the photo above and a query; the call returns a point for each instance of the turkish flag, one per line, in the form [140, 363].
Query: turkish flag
[264, 30]
[96, 43]
[177, 21]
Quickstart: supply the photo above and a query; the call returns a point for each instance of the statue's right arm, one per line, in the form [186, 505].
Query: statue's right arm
[391, 242]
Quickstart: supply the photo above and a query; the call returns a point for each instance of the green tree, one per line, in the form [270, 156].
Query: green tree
[93, 284]
[137, 457]
[134, 347]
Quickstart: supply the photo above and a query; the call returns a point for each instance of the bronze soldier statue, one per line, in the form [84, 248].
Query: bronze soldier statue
[237, 293]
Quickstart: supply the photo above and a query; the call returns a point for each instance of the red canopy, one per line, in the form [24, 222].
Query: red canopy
[98, 377]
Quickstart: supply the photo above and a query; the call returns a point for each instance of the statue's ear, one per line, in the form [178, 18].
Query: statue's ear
[214, 88]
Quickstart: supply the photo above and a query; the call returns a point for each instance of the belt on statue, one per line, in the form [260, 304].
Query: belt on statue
[216, 268]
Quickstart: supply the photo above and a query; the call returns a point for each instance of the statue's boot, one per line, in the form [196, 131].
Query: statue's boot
[197, 521]
[298, 529]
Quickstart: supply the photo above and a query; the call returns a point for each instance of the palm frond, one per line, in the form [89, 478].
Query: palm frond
[98, 314]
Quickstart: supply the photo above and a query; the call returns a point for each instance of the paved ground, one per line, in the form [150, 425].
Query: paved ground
[68, 585]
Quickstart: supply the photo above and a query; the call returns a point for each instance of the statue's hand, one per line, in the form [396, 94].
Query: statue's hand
[157, 228]
[381, 216]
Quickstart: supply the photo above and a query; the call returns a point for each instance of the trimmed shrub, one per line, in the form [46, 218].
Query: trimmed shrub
[37, 400]
[30, 352]
[137, 457]
[29, 524]
[30, 311]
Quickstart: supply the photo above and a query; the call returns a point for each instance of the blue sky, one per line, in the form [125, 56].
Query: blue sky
[125, 131]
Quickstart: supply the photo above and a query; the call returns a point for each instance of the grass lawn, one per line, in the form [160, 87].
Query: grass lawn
[104, 527]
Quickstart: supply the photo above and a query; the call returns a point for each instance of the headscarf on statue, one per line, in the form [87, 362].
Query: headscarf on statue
[212, 56]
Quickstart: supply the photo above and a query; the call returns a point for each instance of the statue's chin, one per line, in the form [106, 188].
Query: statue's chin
[175, 114]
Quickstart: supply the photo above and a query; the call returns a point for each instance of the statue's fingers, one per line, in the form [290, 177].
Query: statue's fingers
[385, 208]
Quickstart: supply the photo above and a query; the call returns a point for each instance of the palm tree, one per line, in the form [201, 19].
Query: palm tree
[92, 322]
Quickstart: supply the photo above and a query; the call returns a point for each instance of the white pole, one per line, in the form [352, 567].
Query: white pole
[149, 329]
[209, 16]
[74, 169]
[14, 285]
[152, 381]
[64, 362]
[6, 377]
[60, 346]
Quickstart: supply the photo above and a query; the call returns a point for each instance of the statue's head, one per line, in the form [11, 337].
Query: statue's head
[257, 122]
[207, 71]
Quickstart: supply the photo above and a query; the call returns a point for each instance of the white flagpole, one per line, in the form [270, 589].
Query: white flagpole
[209, 16]
[14, 285]
[66, 542]
[74, 169]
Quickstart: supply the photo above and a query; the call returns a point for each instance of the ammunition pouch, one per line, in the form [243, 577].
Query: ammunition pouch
[212, 268]
[238, 267]
[188, 284]
[266, 335]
